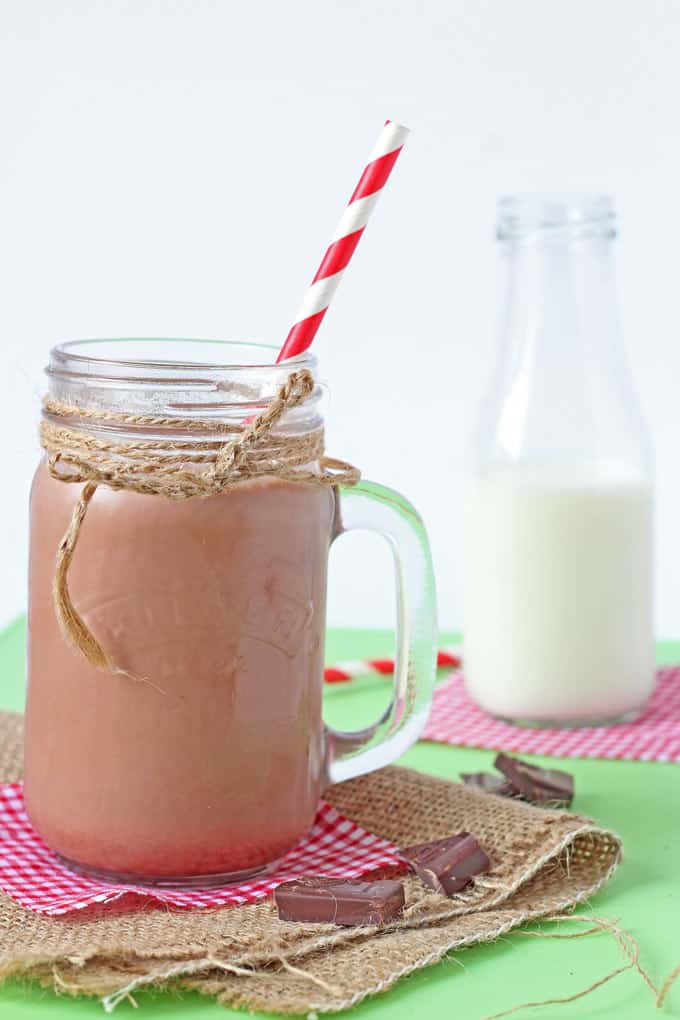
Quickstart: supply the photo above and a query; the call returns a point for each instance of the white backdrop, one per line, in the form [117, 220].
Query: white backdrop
[175, 167]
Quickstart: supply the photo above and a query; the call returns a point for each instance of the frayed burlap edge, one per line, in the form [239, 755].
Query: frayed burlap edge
[320, 982]
[543, 863]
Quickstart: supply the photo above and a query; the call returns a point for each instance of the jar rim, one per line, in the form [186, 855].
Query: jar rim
[90, 355]
[214, 380]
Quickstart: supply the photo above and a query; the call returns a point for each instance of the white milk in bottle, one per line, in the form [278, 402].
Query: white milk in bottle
[559, 592]
[558, 503]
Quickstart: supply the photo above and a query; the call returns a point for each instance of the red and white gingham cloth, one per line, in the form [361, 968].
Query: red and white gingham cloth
[33, 876]
[655, 736]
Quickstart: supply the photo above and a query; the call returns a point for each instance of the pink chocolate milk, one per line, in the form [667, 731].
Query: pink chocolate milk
[213, 761]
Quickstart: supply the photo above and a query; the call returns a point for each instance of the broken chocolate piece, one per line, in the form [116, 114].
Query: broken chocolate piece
[490, 784]
[448, 865]
[550, 787]
[339, 901]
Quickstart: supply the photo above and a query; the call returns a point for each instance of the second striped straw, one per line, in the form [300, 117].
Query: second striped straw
[447, 658]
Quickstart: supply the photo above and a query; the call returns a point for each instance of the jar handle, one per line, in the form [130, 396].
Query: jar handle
[371, 507]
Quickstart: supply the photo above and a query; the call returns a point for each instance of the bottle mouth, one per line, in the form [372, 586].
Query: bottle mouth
[522, 217]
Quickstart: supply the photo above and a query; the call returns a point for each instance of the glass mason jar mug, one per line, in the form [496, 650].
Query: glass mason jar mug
[559, 552]
[202, 755]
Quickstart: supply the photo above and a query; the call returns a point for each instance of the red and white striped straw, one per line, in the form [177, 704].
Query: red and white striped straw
[345, 239]
[447, 658]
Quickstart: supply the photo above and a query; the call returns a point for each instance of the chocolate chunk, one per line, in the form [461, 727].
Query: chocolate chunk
[448, 865]
[540, 786]
[490, 784]
[339, 901]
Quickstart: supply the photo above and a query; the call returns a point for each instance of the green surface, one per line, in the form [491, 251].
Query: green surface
[641, 801]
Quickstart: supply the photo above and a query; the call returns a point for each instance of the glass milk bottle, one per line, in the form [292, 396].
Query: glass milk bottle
[558, 618]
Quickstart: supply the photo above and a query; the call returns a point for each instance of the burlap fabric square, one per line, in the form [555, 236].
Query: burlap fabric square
[543, 862]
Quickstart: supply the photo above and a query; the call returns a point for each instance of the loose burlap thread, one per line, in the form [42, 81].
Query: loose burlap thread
[177, 468]
[543, 863]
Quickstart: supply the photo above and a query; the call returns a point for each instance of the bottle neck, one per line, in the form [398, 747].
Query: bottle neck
[561, 390]
[559, 310]
[559, 301]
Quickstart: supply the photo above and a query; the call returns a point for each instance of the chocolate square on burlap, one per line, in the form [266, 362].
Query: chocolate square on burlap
[543, 862]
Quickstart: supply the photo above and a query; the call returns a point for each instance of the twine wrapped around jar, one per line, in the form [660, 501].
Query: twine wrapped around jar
[177, 468]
